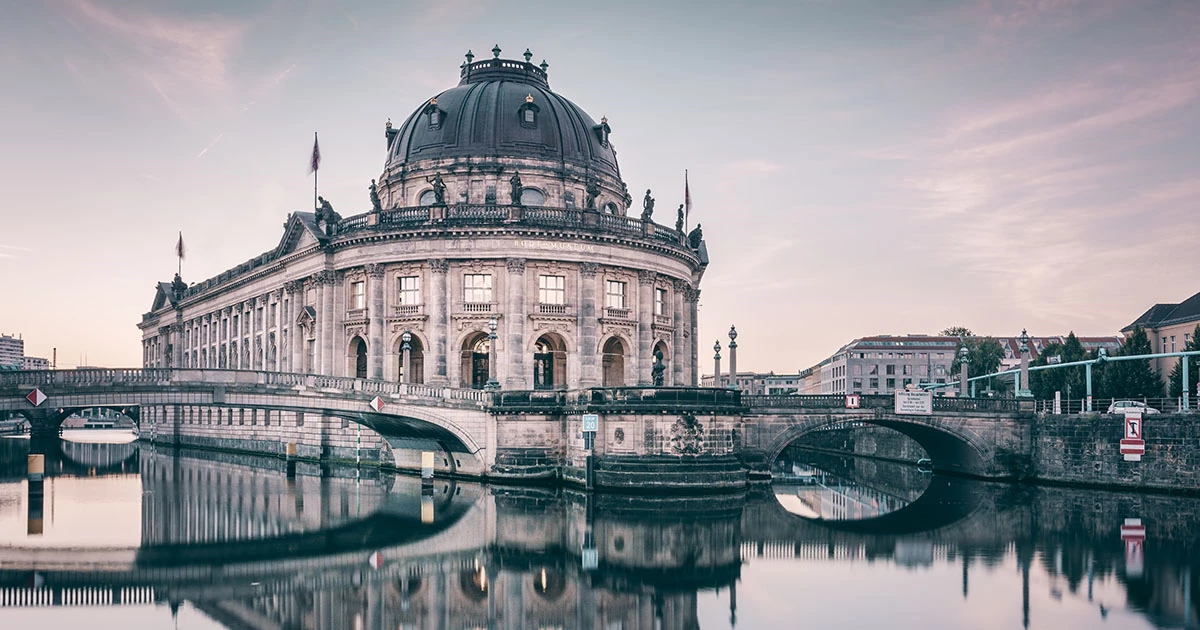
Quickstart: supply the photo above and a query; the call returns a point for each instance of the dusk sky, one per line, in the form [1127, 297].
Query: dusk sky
[859, 167]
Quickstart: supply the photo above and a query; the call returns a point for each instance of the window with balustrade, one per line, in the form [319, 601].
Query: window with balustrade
[552, 289]
[408, 290]
[358, 295]
[614, 294]
[477, 288]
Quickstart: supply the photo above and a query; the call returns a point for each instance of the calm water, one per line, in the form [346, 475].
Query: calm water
[129, 537]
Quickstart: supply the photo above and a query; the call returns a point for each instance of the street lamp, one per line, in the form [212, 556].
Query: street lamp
[1023, 389]
[492, 383]
[732, 356]
[717, 363]
[406, 356]
[964, 357]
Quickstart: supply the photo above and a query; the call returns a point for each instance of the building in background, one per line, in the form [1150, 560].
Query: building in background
[35, 363]
[12, 352]
[1170, 328]
[759, 383]
[1012, 345]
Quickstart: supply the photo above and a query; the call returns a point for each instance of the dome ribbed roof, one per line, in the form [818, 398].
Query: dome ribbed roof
[484, 116]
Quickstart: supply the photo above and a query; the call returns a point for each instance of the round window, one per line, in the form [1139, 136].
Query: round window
[427, 198]
[532, 197]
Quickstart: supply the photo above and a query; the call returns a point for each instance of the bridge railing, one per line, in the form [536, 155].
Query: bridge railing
[640, 398]
[48, 378]
[876, 401]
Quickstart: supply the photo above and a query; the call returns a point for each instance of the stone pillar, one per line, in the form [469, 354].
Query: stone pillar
[589, 326]
[325, 346]
[645, 340]
[717, 364]
[733, 358]
[692, 297]
[439, 317]
[678, 337]
[375, 338]
[318, 325]
[252, 308]
[514, 344]
[295, 292]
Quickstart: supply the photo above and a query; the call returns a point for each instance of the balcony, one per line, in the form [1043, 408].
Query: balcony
[356, 314]
[617, 313]
[551, 309]
[406, 309]
[662, 320]
[477, 307]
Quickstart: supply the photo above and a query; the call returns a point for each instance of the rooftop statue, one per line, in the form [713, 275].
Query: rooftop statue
[593, 191]
[326, 212]
[439, 189]
[695, 237]
[647, 206]
[679, 220]
[178, 286]
[514, 192]
[376, 205]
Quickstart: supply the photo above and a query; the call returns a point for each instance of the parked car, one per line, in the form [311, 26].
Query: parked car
[1121, 406]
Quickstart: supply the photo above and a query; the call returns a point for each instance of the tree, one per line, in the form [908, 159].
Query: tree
[1176, 378]
[1132, 379]
[984, 356]
[957, 331]
[1071, 381]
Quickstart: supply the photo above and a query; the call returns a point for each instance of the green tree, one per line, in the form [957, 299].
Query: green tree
[957, 331]
[984, 355]
[1132, 379]
[1176, 379]
[1071, 381]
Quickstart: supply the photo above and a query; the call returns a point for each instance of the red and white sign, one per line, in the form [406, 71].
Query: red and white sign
[1133, 446]
[377, 403]
[852, 401]
[36, 397]
[1134, 535]
[376, 560]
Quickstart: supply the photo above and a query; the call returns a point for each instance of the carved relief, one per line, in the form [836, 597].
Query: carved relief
[687, 436]
[411, 324]
[374, 270]
[515, 265]
[588, 269]
[476, 266]
[438, 265]
[645, 276]
[357, 329]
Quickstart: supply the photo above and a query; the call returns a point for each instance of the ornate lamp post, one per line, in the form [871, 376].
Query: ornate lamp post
[732, 357]
[1023, 389]
[406, 354]
[492, 383]
[964, 360]
[717, 363]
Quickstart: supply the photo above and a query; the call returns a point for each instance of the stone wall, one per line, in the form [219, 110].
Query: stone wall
[1086, 450]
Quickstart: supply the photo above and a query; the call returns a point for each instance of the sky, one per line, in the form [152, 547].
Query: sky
[859, 168]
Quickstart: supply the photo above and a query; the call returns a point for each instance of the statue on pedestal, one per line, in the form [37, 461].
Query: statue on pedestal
[679, 220]
[656, 373]
[695, 236]
[647, 206]
[376, 205]
[439, 189]
[593, 191]
[514, 193]
[326, 212]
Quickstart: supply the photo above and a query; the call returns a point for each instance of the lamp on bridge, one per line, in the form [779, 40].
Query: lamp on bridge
[732, 357]
[492, 383]
[964, 356]
[717, 363]
[1023, 390]
[406, 356]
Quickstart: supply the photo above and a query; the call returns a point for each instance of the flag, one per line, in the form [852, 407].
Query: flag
[179, 251]
[316, 156]
[687, 197]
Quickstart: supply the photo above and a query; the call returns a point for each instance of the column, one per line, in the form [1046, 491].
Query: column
[514, 317]
[692, 297]
[252, 306]
[319, 325]
[645, 306]
[295, 291]
[334, 360]
[439, 307]
[589, 368]
[375, 280]
[678, 337]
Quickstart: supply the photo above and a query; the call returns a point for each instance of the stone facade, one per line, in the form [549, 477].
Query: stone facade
[578, 294]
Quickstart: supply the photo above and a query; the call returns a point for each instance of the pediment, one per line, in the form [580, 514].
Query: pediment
[299, 233]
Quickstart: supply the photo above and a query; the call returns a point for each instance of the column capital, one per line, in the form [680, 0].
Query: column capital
[516, 265]
[679, 285]
[691, 294]
[439, 265]
[326, 277]
[588, 269]
[293, 286]
[374, 270]
[646, 276]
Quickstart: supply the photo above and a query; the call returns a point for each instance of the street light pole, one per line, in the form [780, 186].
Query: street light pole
[492, 383]
[717, 363]
[406, 357]
[1023, 389]
[965, 357]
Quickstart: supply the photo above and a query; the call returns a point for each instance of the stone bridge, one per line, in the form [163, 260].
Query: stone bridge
[665, 438]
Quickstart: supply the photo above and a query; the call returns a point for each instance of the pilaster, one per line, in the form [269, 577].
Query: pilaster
[514, 344]
[375, 280]
[439, 304]
[589, 368]
[645, 352]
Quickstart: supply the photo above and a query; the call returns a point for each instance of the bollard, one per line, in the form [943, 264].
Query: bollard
[290, 453]
[426, 468]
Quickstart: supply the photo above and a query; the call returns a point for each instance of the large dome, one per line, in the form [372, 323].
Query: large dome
[503, 109]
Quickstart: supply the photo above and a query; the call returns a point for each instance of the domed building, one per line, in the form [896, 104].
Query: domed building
[500, 213]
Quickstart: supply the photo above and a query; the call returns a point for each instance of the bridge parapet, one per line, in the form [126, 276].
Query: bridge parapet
[619, 399]
[876, 401]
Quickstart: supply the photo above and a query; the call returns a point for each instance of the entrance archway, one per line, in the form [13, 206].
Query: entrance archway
[358, 354]
[475, 352]
[613, 362]
[550, 362]
[416, 359]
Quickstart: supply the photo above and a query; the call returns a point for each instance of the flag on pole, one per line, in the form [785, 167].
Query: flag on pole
[179, 251]
[316, 156]
[687, 197]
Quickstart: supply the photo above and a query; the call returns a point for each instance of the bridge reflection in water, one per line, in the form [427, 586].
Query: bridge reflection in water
[244, 544]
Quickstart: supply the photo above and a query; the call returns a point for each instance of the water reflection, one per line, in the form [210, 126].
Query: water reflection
[860, 489]
[232, 541]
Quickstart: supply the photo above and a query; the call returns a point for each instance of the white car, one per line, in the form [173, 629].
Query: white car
[1121, 406]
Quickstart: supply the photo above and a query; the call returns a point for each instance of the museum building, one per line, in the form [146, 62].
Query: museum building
[500, 217]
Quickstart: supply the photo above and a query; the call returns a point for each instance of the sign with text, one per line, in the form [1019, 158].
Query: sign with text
[591, 423]
[1133, 445]
[853, 401]
[914, 403]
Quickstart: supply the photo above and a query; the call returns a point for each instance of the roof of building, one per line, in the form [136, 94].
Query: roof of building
[483, 116]
[1161, 315]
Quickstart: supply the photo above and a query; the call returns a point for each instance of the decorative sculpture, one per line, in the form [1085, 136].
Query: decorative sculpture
[593, 191]
[657, 371]
[178, 286]
[695, 236]
[439, 189]
[376, 205]
[679, 220]
[326, 212]
[514, 192]
[647, 206]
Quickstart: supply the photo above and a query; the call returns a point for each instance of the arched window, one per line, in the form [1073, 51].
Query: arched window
[550, 362]
[532, 197]
[611, 208]
[435, 115]
[528, 113]
[613, 363]
[427, 198]
[475, 358]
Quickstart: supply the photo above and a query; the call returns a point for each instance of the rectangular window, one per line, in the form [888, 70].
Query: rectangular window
[274, 314]
[907, 382]
[489, 195]
[552, 289]
[1164, 344]
[477, 288]
[858, 384]
[569, 199]
[874, 369]
[874, 383]
[858, 369]
[922, 370]
[1172, 343]
[660, 301]
[891, 369]
[409, 290]
[614, 294]
[358, 295]
[235, 328]
[906, 369]
[891, 383]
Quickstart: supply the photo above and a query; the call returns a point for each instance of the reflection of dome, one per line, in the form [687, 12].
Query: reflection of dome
[503, 109]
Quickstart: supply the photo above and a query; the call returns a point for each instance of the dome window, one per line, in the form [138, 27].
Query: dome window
[528, 113]
[436, 115]
[427, 198]
[532, 197]
[611, 208]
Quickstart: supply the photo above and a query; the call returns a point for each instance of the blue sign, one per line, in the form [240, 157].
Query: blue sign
[591, 423]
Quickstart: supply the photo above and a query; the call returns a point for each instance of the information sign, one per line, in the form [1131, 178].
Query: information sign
[591, 423]
[910, 402]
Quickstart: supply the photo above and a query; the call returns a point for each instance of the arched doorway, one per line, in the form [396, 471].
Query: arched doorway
[550, 362]
[358, 354]
[613, 362]
[660, 349]
[416, 359]
[475, 352]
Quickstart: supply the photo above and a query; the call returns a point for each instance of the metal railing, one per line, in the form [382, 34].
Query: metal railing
[1101, 405]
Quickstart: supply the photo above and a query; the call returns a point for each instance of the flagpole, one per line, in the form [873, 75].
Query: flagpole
[314, 172]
